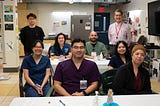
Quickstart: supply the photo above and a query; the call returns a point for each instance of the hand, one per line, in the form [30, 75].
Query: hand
[78, 94]
[39, 89]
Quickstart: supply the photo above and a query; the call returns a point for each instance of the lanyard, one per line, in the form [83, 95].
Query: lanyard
[118, 30]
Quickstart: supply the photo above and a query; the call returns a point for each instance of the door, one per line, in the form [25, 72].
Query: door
[101, 25]
[80, 26]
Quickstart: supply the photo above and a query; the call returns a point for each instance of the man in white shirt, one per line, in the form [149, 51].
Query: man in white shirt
[118, 30]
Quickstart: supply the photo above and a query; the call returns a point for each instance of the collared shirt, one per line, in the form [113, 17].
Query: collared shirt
[119, 32]
[98, 48]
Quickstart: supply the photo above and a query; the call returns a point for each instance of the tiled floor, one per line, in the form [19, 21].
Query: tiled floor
[9, 89]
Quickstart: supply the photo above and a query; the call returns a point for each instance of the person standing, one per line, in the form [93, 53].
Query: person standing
[76, 76]
[118, 30]
[30, 33]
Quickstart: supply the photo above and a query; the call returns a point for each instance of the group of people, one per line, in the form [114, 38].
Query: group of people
[78, 76]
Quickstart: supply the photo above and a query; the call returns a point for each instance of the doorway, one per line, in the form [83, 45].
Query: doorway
[101, 25]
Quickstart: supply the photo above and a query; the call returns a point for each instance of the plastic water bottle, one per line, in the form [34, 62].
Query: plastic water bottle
[96, 99]
[101, 56]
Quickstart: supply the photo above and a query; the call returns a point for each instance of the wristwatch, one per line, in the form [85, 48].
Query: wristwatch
[84, 93]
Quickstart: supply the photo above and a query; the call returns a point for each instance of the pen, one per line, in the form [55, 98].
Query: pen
[62, 102]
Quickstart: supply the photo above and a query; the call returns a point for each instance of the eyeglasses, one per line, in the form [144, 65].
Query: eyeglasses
[38, 47]
[78, 47]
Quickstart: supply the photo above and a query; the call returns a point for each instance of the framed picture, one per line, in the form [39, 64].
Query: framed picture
[9, 27]
[8, 18]
[8, 8]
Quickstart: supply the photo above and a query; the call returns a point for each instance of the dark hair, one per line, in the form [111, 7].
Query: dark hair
[56, 44]
[38, 41]
[31, 15]
[125, 45]
[142, 40]
[119, 10]
[77, 41]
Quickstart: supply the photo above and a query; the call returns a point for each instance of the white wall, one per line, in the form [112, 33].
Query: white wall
[47, 18]
[142, 5]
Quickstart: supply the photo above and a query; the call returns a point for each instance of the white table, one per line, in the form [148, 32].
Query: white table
[102, 64]
[125, 100]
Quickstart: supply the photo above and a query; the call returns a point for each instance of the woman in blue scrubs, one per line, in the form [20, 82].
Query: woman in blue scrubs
[60, 48]
[36, 69]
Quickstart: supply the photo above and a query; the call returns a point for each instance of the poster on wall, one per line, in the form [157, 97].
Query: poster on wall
[8, 8]
[9, 27]
[8, 18]
[87, 25]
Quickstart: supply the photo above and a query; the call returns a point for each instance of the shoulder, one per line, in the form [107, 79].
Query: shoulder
[45, 57]
[111, 24]
[65, 62]
[67, 45]
[89, 62]
[27, 58]
[126, 67]
[88, 43]
[26, 27]
[100, 43]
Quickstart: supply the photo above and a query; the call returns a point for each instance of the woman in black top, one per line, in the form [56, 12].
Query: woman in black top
[132, 78]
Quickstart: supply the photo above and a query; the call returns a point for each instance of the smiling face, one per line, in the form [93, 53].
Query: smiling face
[37, 49]
[61, 39]
[121, 49]
[138, 57]
[78, 50]
[118, 17]
[93, 36]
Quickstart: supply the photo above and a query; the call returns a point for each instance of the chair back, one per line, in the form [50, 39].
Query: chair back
[107, 79]
[21, 83]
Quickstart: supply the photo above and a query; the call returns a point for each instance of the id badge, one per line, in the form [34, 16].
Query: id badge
[83, 84]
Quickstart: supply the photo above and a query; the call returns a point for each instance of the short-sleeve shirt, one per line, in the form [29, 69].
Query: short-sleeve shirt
[37, 72]
[98, 48]
[67, 73]
[64, 51]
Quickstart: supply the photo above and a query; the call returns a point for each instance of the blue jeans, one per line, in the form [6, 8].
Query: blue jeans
[32, 92]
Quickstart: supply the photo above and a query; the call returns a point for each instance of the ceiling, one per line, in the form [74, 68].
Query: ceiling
[77, 1]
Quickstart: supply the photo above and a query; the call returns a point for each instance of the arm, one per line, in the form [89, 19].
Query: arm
[59, 89]
[30, 82]
[105, 51]
[27, 78]
[129, 37]
[45, 80]
[119, 83]
[22, 36]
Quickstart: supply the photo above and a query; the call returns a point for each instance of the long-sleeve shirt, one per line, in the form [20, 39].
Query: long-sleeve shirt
[119, 32]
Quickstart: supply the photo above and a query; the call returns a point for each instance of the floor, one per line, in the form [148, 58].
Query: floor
[9, 89]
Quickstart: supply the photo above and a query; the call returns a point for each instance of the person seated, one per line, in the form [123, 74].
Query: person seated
[36, 69]
[95, 46]
[60, 48]
[132, 78]
[76, 76]
[121, 56]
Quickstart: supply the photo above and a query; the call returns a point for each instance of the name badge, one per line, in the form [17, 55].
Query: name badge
[83, 84]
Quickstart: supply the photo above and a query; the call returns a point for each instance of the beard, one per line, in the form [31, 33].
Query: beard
[93, 40]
